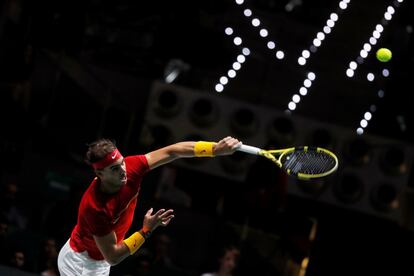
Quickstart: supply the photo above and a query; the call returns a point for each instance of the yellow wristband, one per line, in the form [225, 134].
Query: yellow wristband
[202, 149]
[134, 242]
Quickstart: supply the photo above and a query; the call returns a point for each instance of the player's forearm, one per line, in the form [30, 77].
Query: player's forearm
[191, 149]
[171, 153]
[181, 149]
[118, 254]
[167, 154]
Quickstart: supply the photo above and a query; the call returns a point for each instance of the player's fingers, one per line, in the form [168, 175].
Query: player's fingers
[168, 218]
[237, 145]
[165, 223]
[166, 213]
[149, 212]
[159, 212]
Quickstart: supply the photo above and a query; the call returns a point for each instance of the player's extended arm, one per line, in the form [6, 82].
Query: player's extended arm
[114, 252]
[169, 153]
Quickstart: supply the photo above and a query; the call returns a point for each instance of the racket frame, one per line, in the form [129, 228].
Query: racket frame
[271, 155]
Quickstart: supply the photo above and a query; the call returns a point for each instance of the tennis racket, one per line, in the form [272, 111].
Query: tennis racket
[301, 162]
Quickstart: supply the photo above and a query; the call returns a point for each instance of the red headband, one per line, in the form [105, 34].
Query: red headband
[110, 158]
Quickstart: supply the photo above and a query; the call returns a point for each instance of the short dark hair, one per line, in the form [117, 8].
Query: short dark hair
[229, 248]
[99, 149]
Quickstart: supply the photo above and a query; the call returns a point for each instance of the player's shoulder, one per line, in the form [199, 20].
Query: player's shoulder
[139, 160]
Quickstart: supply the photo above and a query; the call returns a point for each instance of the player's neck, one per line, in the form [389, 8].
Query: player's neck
[108, 188]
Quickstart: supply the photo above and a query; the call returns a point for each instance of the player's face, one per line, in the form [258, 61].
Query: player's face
[228, 261]
[115, 174]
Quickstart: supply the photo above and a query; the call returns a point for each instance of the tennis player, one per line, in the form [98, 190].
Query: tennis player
[107, 207]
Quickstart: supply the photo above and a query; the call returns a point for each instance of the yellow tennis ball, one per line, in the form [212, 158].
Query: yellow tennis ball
[384, 54]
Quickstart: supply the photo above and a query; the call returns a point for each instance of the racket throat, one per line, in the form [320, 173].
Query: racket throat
[271, 157]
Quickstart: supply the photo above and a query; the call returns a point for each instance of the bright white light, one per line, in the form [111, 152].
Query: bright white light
[350, 73]
[239, 2]
[228, 31]
[172, 76]
[296, 98]
[379, 28]
[246, 51]
[305, 53]
[387, 16]
[219, 87]
[236, 66]
[381, 93]
[376, 34]
[343, 5]
[237, 41]
[360, 131]
[370, 77]
[334, 16]
[330, 23]
[255, 22]
[303, 91]
[363, 53]
[263, 33]
[385, 72]
[241, 58]
[292, 106]
[280, 54]
[367, 116]
[367, 47]
[311, 76]
[353, 65]
[271, 45]
[391, 10]
[316, 42]
[301, 61]
[320, 36]
[231, 73]
[224, 80]
[327, 30]
[363, 123]
[247, 12]
[307, 83]
[372, 40]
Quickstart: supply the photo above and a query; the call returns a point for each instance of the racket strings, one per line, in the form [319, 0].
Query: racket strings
[308, 162]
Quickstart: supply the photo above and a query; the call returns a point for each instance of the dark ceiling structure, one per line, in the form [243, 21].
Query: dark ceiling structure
[86, 69]
[142, 38]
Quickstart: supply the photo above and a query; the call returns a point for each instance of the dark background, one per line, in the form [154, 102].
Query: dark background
[73, 71]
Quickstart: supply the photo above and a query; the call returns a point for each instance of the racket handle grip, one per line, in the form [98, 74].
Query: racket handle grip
[249, 149]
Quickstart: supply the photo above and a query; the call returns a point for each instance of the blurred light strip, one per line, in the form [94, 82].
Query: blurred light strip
[376, 35]
[303, 91]
[366, 118]
[321, 35]
[237, 64]
[317, 42]
[263, 32]
[350, 72]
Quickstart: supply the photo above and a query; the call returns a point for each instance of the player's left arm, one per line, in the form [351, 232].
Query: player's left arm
[114, 252]
[225, 146]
